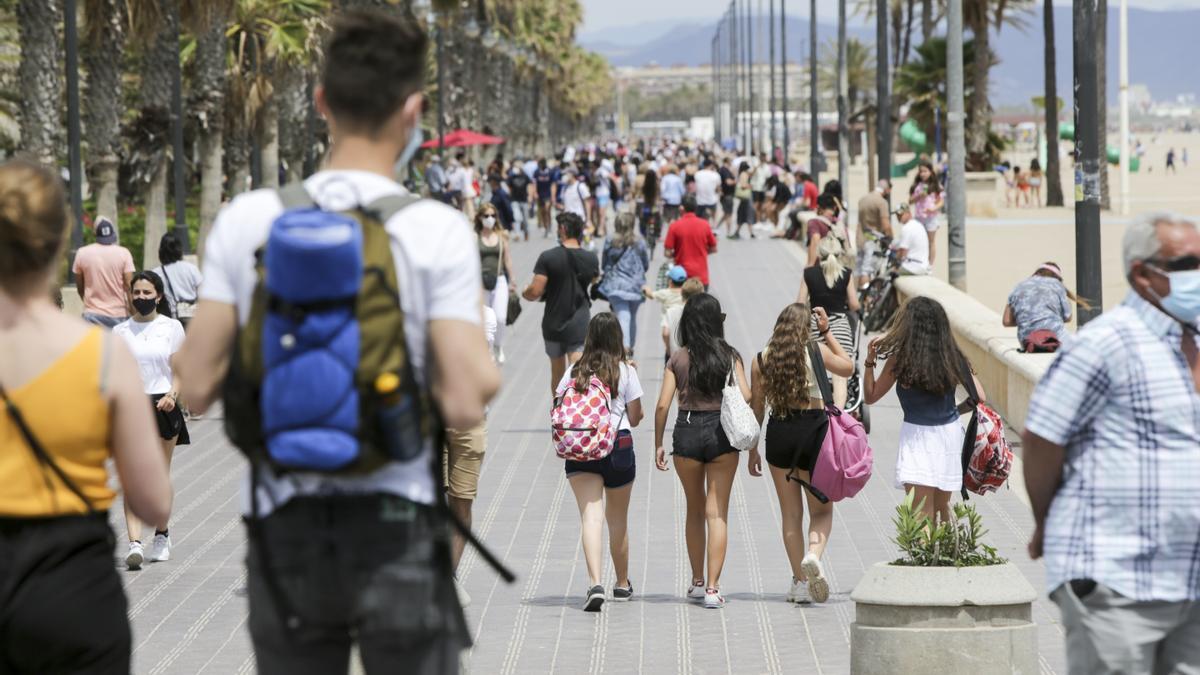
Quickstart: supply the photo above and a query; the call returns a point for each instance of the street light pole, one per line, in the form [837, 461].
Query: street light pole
[1087, 158]
[1124, 75]
[883, 100]
[787, 140]
[441, 86]
[75, 164]
[716, 101]
[956, 190]
[771, 70]
[814, 133]
[750, 73]
[843, 95]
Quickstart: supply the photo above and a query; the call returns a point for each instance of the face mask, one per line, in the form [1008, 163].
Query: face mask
[1183, 302]
[144, 306]
[414, 144]
[489, 222]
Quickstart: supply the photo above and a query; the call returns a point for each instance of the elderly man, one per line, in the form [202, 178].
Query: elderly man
[874, 223]
[1112, 466]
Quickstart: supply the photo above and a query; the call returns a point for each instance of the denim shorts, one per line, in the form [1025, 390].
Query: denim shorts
[698, 435]
[618, 469]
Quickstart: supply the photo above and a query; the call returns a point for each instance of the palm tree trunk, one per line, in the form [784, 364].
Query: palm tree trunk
[208, 101]
[926, 20]
[293, 116]
[268, 140]
[156, 214]
[1054, 193]
[159, 62]
[979, 109]
[41, 78]
[1102, 96]
[104, 41]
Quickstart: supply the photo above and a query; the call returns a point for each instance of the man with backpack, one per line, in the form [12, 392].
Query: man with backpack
[348, 532]
[561, 277]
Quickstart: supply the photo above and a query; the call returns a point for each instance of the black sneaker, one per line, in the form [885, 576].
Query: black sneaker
[623, 593]
[594, 599]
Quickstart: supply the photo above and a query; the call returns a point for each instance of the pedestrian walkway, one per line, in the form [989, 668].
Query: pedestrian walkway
[190, 613]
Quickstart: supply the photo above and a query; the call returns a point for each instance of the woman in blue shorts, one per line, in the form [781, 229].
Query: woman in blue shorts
[602, 488]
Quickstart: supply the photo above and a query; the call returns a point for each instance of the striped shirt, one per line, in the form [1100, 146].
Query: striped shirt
[1120, 398]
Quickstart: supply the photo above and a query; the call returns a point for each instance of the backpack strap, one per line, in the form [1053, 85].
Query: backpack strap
[40, 452]
[295, 196]
[819, 372]
[385, 207]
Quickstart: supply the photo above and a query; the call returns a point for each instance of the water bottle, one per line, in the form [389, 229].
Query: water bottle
[398, 419]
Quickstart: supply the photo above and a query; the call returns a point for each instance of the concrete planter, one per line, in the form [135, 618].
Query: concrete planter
[924, 620]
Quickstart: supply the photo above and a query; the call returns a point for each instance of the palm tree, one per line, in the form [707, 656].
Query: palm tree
[41, 78]
[980, 16]
[922, 81]
[860, 69]
[1054, 193]
[103, 45]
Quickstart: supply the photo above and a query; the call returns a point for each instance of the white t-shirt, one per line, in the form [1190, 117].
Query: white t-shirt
[181, 281]
[915, 239]
[708, 185]
[457, 179]
[437, 270]
[629, 389]
[573, 196]
[152, 344]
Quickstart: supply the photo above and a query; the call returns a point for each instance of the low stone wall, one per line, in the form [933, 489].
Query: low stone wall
[1008, 376]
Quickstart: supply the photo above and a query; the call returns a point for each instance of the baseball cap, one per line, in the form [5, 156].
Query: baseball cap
[903, 206]
[106, 233]
[677, 274]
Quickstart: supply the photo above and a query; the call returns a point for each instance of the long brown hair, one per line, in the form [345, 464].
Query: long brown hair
[603, 352]
[1044, 272]
[921, 345]
[33, 222]
[785, 369]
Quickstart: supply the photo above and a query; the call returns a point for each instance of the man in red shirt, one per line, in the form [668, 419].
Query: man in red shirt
[810, 192]
[690, 241]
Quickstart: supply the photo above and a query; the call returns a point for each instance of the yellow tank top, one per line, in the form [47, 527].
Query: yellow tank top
[68, 412]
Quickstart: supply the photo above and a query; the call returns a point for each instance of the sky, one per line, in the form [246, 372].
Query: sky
[602, 14]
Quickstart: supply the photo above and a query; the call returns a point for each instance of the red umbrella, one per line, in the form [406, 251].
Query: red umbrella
[462, 138]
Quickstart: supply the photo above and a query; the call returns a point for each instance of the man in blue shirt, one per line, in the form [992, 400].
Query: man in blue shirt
[672, 193]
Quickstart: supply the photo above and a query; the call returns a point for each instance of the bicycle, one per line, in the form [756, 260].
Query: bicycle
[878, 300]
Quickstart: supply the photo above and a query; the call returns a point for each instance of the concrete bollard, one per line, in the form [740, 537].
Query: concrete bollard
[922, 620]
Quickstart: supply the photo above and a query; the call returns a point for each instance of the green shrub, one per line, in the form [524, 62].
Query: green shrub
[954, 544]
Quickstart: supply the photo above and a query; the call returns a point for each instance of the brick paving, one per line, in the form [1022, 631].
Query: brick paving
[189, 614]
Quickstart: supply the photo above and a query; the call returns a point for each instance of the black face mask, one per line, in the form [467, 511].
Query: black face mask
[144, 306]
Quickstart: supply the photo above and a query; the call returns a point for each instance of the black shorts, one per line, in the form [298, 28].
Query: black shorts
[795, 440]
[727, 204]
[758, 196]
[170, 424]
[705, 210]
[618, 469]
[698, 435]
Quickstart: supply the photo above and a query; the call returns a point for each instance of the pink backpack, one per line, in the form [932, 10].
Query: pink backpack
[580, 422]
[844, 464]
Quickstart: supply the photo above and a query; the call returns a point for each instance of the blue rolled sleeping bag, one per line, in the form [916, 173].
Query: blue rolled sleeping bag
[309, 402]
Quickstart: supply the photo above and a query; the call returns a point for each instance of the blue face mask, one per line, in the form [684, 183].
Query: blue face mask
[414, 144]
[1183, 302]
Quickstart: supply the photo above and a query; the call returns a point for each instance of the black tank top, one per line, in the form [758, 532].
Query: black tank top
[832, 300]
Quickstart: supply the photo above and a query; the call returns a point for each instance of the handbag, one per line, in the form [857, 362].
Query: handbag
[846, 460]
[594, 292]
[514, 308]
[184, 309]
[987, 458]
[737, 418]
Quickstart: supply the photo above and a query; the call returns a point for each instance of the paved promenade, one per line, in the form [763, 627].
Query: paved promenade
[189, 614]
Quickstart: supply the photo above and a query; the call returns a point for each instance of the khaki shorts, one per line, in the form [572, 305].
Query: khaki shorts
[463, 457]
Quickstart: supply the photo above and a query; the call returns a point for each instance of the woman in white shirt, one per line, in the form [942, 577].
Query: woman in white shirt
[602, 488]
[181, 279]
[153, 337]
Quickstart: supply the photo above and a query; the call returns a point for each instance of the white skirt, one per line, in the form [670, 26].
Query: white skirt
[930, 456]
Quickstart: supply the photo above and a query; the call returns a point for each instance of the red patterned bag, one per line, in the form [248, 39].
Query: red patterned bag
[580, 422]
[986, 458]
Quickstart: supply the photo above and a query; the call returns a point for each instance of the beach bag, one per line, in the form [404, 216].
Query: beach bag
[737, 418]
[987, 458]
[1042, 341]
[845, 461]
[580, 423]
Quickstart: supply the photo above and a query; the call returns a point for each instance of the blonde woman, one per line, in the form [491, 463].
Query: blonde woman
[826, 285]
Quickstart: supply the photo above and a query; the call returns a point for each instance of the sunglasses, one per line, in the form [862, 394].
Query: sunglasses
[1183, 263]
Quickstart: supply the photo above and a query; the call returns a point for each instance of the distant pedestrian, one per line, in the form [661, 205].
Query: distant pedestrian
[603, 487]
[154, 337]
[708, 190]
[1184, 157]
[826, 223]
[758, 188]
[690, 241]
[672, 189]
[783, 379]
[1041, 303]
[1112, 452]
[435, 178]
[543, 181]
[925, 365]
[561, 276]
[520, 189]
[102, 274]
[828, 286]
[1171, 160]
[73, 401]
[1036, 176]
[625, 262]
[874, 225]
[703, 458]
[745, 203]
[180, 278]
[927, 200]
[649, 208]
[728, 192]
[912, 245]
[495, 263]
[501, 203]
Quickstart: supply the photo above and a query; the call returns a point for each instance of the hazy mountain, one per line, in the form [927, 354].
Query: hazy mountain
[1163, 50]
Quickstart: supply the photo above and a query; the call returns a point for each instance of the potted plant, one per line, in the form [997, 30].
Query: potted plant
[949, 604]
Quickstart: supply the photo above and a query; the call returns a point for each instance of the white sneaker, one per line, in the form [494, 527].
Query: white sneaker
[817, 585]
[713, 599]
[136, 555]
[500, 355]
[160, 548]
[799, 592]
[464, 600]
[696, 591]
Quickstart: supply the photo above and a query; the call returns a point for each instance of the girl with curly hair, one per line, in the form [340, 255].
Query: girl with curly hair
[783, 384]
[926, 365]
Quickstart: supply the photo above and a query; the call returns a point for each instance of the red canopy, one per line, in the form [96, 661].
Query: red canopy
[464, 137]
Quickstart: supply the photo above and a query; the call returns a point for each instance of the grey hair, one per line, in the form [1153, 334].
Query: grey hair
[624, 232]
[1140, 242]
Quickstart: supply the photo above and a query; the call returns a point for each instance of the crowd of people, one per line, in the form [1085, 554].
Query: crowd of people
[356, 378]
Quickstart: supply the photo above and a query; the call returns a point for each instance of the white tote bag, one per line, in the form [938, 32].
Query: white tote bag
[737, 418]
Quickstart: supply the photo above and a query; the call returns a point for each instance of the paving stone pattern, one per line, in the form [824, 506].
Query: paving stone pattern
[189, 614]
